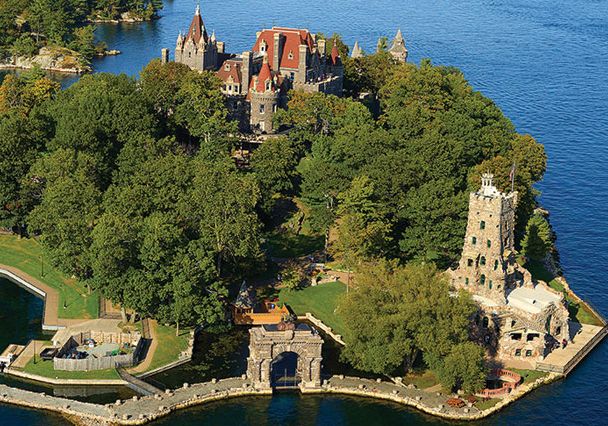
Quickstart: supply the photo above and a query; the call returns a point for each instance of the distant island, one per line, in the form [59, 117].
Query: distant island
[59, 36]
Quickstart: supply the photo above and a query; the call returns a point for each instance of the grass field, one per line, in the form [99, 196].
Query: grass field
[288, 245]
[169, 345]
[529, 375]
[422, 379]
[321, 301]
[26, 254]
[484, 405]
[45, 369]
[578, 311]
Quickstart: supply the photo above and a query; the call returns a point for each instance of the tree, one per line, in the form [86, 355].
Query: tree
[395, 313]
[274, 164]
[363, 232]
[463, 368]
[538, 239]
[292, 278]
[221, 207]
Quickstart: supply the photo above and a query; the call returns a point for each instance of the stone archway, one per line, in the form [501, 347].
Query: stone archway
[270, 342]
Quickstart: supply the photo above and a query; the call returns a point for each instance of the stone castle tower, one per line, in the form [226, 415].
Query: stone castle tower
[197, 49]
[488, 254]
[264, 98]
[397, 48]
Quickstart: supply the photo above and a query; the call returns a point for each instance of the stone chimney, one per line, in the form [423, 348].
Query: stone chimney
[303, 54]
[164, 56]
[246, 71]
[321, 46]
[276, 52]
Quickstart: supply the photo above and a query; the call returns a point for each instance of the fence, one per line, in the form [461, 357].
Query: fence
[98, 363]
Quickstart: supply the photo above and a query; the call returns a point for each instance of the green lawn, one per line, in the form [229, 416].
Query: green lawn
[26, 254]
[321, 301]
[422, 379]
[169, 345]
[578, 311]
[484, 405]
[45, 368]
[529, 375]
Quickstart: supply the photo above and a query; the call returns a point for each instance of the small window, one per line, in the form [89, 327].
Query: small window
[495, 264]
[466, 281]
[482, 260]
[482, 225]
[292, 76]
[227, 66]
[512, 323]
[230, 88]
[489, 243]
[558, 331]
[516, 336]
[517, 352]
[490, 285]
[469, 262]
[482, 279]
[290, 55]
[474, 240]
[530, 337]
[529, 352]
[485, 322]
[262, 109]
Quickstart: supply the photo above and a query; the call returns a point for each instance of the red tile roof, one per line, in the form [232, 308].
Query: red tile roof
[293, 39]
[335, 55]
[264, 75]
[234, 71]
[197, 29]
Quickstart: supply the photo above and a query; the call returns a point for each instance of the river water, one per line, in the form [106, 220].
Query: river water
[543, 62]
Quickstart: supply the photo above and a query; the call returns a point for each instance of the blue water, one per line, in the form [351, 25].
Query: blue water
[543, 62]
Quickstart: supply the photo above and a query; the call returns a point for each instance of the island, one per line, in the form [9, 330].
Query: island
[335, 221]
[59, 36]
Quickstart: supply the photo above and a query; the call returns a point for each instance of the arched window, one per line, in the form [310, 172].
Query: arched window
[495, 264]
[490, 285]
[482, 260]
[474, 240]
[482, 225]
[469, 262]
[482, 279]
[466, 281]
[489, 243]
[485, 322]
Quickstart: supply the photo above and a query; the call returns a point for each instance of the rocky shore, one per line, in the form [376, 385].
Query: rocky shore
[53, 59]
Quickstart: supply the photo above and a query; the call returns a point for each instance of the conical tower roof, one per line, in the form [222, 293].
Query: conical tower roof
[335, 54]
[357, 52]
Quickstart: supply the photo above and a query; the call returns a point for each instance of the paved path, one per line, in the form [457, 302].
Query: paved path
[145, 365]
[51, 320]
[563, 360]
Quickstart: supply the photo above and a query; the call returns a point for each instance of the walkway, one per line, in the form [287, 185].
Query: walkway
[51, 320]
[136, 384]
[585, 338]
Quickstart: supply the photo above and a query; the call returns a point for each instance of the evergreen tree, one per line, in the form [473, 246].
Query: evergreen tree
[538, 239]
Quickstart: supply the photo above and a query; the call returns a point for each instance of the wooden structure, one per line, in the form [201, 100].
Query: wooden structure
[247, 311]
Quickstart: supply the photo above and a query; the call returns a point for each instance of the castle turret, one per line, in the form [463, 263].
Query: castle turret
[397, 49]
[488, 251]
[197, 49]
[264, 97]
[357, 52]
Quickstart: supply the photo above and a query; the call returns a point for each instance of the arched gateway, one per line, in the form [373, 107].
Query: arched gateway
[284, 355]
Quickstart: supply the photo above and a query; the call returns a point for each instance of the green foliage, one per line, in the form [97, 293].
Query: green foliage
[394, 313]
[538, 239]
[293, 278]
[274, 164]
[24, 46]
[463, 368]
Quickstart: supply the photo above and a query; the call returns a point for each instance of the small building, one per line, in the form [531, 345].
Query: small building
[246, 310]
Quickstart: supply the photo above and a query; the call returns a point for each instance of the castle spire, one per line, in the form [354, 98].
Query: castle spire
[335, 54]
[357, 52]
[197, 11]
[398, 49]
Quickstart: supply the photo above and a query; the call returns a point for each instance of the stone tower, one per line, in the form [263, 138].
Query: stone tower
[397, 48]
[264, 96]
[197, 49]
[488, 253]
[357, 52]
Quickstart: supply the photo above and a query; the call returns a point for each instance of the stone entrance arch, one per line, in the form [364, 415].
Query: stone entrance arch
[268, 342]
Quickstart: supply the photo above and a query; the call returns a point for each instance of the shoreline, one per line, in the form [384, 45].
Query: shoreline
[142, 410]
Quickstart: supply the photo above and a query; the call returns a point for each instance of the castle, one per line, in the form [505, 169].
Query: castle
[520, 319]
[256, 82]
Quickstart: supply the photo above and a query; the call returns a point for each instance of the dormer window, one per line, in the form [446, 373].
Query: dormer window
[290, 55]
[263, 46]
[268, 85]
[227, 67]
